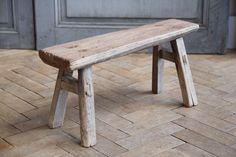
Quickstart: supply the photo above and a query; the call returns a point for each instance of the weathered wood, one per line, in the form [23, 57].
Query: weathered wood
[157, 71]
[83, 54]
[86, 106]
[126, 121]
[58, 106]
[206, 130]
[70, 83]
[78, 54]
[205, 143]
[184, 73]
[167, 56]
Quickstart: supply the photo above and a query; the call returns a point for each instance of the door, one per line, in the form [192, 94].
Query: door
[16, 24]
[59, 21]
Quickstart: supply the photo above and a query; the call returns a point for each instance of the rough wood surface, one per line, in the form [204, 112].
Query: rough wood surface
[127, 115]
[167, 56]
[58, 106]
[78, 54]
[184, 73]
[86, 106]
[70, 83]
[157, 71]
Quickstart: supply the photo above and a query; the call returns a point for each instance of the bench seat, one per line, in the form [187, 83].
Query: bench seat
[78, 54]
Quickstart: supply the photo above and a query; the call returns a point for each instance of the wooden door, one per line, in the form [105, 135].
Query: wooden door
[59, 21]
[16, 24]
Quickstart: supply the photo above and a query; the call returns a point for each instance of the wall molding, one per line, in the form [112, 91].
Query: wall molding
[63, 21]
[10, 26]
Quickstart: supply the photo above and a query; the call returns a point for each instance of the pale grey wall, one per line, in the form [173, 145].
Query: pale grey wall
[59, 21]
[233, 7]
[232, 26]
[16, 24]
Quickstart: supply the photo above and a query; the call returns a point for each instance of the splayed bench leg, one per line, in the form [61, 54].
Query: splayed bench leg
[58, 106]
[157, 71]
[86, 106]
[184, 73]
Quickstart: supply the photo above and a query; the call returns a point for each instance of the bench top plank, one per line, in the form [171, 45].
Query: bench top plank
[78, 54]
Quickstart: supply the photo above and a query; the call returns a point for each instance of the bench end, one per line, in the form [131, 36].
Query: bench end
[53, 60]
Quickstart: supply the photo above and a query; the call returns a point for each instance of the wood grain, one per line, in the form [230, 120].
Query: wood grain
[157, 71]
[130, 121]
[184, 73]
[86, 105]
[58, 106]
[78, 54]
[205, 143]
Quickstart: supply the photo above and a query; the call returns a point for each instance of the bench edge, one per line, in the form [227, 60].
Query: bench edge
[97, 58]
[53, 60]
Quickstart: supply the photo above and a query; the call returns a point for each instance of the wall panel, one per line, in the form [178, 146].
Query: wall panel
[16, 24]
[60, 21]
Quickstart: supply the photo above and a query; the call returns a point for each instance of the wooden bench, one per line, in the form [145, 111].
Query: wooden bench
[81, 55]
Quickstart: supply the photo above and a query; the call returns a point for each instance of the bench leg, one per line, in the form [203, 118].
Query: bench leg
[184, 73]
[157, 71]
[58, 106]
[86, 106]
